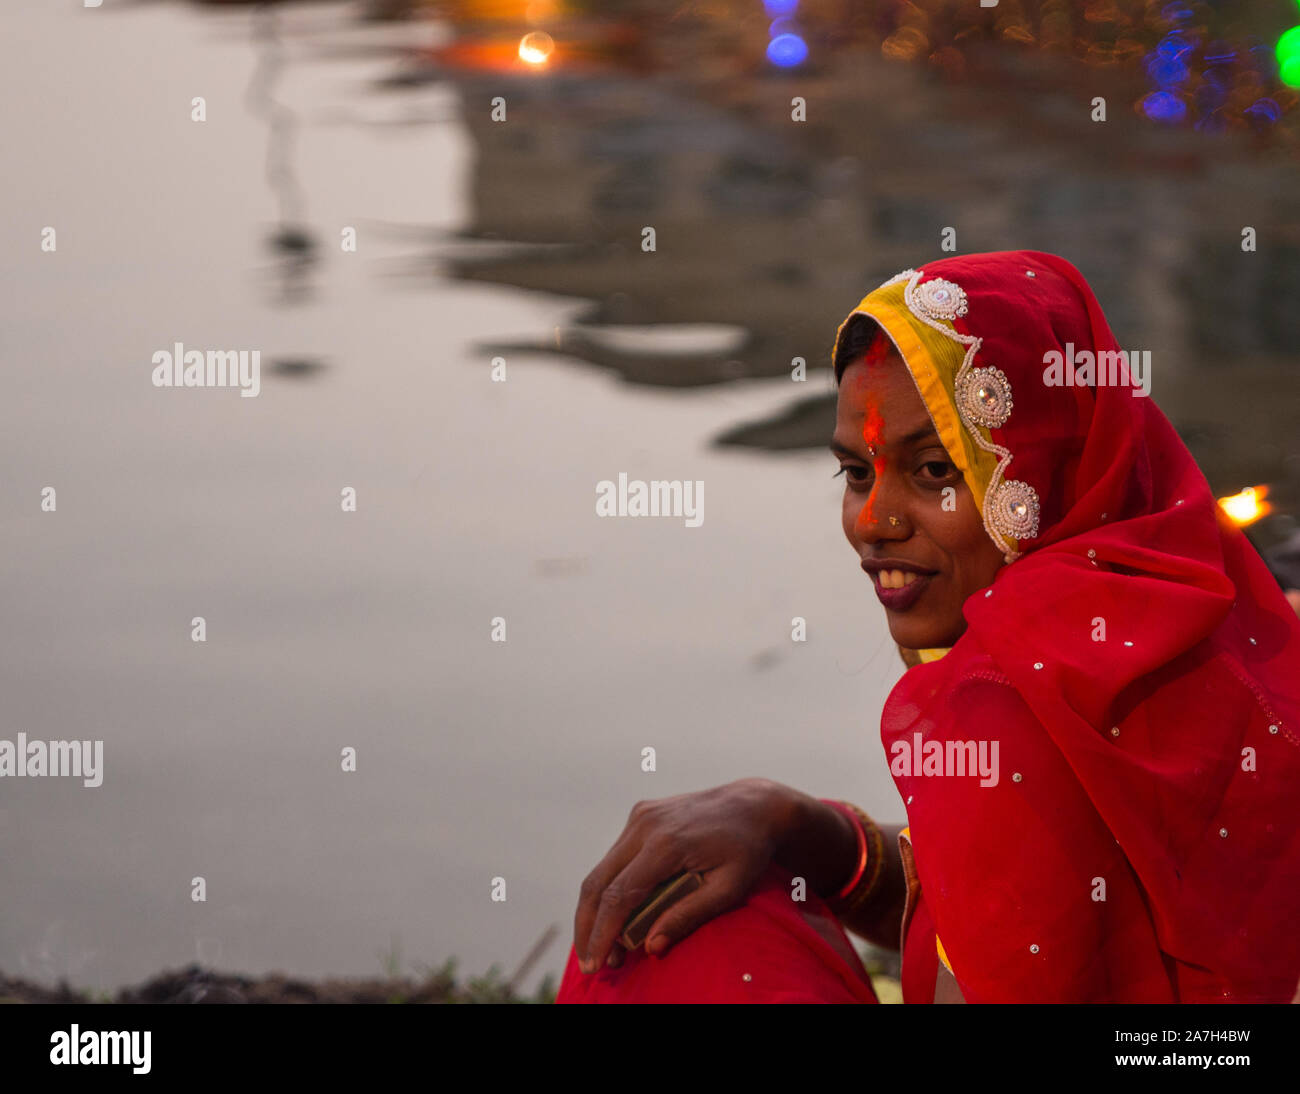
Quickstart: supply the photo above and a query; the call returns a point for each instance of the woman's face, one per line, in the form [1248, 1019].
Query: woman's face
[934, 553]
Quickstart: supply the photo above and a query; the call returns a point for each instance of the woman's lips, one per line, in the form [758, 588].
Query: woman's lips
[898, 589]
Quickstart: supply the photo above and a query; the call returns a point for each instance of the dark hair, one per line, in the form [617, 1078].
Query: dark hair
[861, 336]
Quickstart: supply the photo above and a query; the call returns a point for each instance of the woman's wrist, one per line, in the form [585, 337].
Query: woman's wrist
[877, 914]
[858, 891]
[868, 855]
[817, 842]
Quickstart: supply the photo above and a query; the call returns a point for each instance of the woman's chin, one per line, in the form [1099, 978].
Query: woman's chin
[907, 638]
[916, 634]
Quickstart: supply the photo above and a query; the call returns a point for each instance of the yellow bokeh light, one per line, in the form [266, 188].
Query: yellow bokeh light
[1248, 506]
[536, 47]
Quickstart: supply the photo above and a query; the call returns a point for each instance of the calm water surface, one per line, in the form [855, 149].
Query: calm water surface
[371, 630]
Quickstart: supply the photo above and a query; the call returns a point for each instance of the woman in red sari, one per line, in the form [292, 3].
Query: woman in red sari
[1099, 751]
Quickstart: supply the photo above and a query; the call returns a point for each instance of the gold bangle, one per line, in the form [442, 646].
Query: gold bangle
[852, 901]
[863, 845]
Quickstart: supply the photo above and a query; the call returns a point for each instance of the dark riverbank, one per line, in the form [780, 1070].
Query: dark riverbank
[194, 984]
[197, 985]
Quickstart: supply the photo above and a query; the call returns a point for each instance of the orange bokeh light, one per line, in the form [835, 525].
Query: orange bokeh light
[1248, 506]
[536, 47]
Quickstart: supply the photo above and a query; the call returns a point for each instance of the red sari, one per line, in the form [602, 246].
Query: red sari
[1135, 663]
[1148, 850]
[770, 950]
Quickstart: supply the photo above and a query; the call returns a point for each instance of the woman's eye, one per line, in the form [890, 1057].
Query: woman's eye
[937, 469]
[853, 473]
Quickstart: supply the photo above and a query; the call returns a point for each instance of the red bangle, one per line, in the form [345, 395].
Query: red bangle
[862, 846]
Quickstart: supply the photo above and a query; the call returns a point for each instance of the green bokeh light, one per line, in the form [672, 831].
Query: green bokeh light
[1289, 72]
[1288, 45]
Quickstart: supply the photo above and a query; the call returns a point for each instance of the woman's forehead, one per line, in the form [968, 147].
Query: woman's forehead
[867, 422]
[883, 389]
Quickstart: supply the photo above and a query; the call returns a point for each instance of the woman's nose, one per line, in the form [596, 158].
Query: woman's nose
[881, 518]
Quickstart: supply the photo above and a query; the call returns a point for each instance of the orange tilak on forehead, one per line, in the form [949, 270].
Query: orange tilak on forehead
[873, 435]
[873, 432]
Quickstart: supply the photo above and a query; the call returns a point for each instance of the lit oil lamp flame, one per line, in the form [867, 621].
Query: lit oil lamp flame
[1248, 506]
[536, 47]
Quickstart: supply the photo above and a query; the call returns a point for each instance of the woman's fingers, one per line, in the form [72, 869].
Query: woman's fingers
[722, 890]
[593, 887]
[724, 833]
[619, 900]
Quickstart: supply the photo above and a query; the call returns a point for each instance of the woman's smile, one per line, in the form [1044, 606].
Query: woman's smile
[898, 584]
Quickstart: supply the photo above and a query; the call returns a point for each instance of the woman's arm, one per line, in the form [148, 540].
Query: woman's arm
[729, 834]
[819, 844]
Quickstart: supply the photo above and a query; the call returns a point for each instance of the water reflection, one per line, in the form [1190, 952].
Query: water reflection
[777, 228]
[292, 241]
[297, 367]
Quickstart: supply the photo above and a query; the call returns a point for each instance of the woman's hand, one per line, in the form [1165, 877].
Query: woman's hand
[728, 833]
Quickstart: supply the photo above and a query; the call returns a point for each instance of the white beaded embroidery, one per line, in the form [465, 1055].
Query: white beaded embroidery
[984, 396]
[1010, 513]
[939, 299]
[1015, 509]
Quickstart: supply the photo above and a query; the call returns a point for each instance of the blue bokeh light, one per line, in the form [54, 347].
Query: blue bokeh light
[1166, 65]
[1264, 110]
[1174, 46]
[787, 50]
[780, 7]
[1165, 71]
[1219, 53]
[1162, 106]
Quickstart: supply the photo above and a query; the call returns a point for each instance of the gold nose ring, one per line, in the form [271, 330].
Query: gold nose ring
[895, 521]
